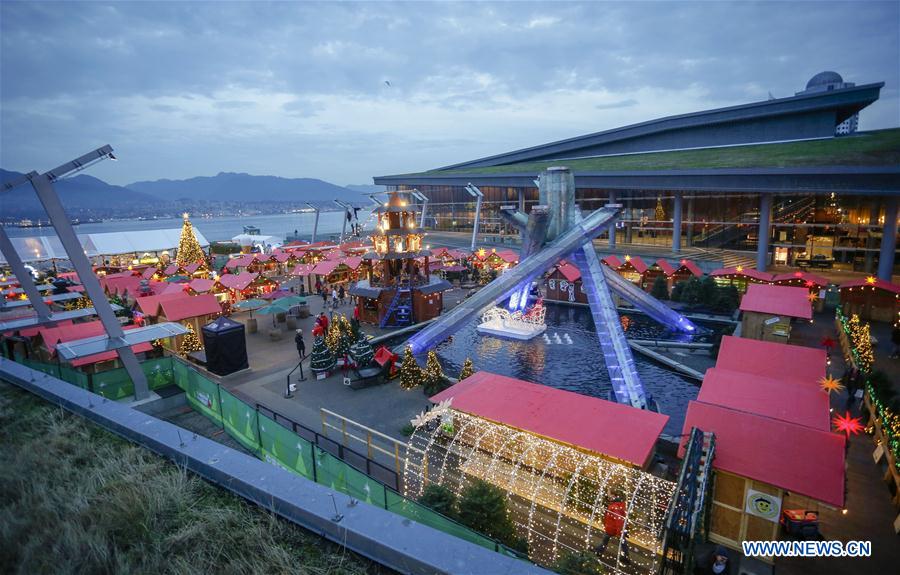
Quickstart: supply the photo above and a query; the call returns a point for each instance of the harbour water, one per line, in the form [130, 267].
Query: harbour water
[570, 359]
[217, 228]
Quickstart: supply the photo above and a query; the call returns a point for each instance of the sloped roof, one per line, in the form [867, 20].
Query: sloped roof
[302, 269]
[877, 284]
[325, 267]
[74, 331]
[799, 277]
[804, 405]
[665, 266]
[618, 431]
[793, 457]
[201, 285]
[177, 309]
[746, 272]
[568, 271]
[805, 365]
[612, 261]
[689, 266]
[637, 263]
[149, 305]
[777, 300]
[237, 281]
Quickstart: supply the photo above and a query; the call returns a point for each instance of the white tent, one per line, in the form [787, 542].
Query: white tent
[43, 248]
[253, 239]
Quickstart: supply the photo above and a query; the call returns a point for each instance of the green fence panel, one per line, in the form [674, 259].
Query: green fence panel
[113, 384]
[181, 373]
[73, 376]
[284, 448]
[240, 420]
[158, 372]
[364, 488]
[421, 514]
[48, 368]
[330, 471]
[203, 395]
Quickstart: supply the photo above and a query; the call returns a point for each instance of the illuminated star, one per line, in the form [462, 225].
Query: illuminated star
[829, 384]
[871, 280]
[812, 297]
[847, 424]
[739, 269]
[809, 284]
[481, 253]
[627, 258]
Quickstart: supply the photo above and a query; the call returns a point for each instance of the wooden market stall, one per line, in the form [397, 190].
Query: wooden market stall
[816, 284]
[768, 311]
[741, 277]
[564, 284]
[871, 298]
[686, 270]
[791, 363]
[658, 268]
[630, 268]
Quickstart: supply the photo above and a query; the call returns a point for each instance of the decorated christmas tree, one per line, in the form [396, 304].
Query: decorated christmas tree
[467, 369]
[189, 250]
[434, 379]
[333, 336]
[361, 351]
[410, 372]
[321, 360]
[347, 339]
[190, 342]
[660, 212]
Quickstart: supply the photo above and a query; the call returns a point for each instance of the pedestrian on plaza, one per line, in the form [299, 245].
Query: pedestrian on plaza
[714, 563]
[852, 384]
[895, 339]
[301, 345]
[334, 297]
[324, 293]
[318, 285]
[613, 525]
[323, 321]
[341, 295]
[356, 313]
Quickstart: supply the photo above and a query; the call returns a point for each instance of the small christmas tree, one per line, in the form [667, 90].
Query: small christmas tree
[361, 351]
[190, 342]
[410, 372]
[189, 250]
[467, 369]
[321, 360]
[333, 335]
[434, 379]
[660, 212]
[660, 288]
[347, 338]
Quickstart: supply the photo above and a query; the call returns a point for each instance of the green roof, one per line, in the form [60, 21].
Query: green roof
[876, 148]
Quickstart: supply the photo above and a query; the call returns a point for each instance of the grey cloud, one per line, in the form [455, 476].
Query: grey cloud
[620, 104]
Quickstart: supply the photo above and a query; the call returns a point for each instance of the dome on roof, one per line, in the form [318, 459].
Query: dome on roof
[823, 79]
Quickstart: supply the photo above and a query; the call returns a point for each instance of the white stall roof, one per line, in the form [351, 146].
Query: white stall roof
[252, 239]
[42, 248]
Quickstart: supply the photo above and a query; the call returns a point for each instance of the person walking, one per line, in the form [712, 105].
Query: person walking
[301, 345]
[324, 293]
[341, 295]
[613, 525]
[334, 297]
[323, 321]
[715, 563]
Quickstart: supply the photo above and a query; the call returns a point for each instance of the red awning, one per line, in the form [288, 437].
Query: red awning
[569, 271]
[61, 333]
[148, 273]
[746, 272]
[804, 279]
[201, 285]
[780, 361]
[149, 305]
[690, 266]
[325, 267]
[611, 429]
[805, 405]
[302, 269]
[777, 300]
[612, 261]
[793, 457]
[637, 263]
[237, 281]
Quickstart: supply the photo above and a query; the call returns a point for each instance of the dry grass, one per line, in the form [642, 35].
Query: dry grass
[76, 499]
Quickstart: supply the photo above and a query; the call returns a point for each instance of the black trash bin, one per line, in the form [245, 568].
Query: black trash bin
[226, 346]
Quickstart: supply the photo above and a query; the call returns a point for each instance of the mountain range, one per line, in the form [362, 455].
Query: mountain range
[83, 193]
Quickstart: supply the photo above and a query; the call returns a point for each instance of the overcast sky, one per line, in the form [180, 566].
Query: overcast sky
[347, 91]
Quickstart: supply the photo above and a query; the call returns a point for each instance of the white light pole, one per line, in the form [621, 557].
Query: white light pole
[475, 193]
[316, 224]
[424, 201]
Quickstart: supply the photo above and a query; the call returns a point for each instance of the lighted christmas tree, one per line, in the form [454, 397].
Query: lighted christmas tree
[190, 342]
[347, 338]
[333, 336]
[361, 352]
[467, 369]
[321, 360]
[434, 379]
[189, 250]
[410, 372]
[660, 212]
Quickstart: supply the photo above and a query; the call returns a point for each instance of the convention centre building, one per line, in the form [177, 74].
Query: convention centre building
[784, 181]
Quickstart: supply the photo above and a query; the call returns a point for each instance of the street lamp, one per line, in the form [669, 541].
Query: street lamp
[316, 224]
[475, 193]
[424, 200]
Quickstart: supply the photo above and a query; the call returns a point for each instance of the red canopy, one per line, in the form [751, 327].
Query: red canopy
[611, 429]
[149, 305]
[805, 279]
[325, 267]
[793, 457]
[868, 282]
[612, 261]
[665, 266]
[801, 404]
[691, 267]
[780, 361]
[237, 281]
[777, 300]
[637, 263]
[201, 285]
[177, 309]
[569, 271]
[748, 272]
[61, 333]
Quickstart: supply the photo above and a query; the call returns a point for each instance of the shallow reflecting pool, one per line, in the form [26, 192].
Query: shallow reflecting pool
[572, 359]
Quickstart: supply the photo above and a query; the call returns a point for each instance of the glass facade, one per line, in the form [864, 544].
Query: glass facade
[843, 228]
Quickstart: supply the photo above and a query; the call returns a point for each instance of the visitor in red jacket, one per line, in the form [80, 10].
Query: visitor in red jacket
[613, 525]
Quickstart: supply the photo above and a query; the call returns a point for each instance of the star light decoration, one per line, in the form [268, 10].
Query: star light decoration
[739, 269]
[440, 410]
[830, 384]
[812, 297]
[847, 424]
[871, 280]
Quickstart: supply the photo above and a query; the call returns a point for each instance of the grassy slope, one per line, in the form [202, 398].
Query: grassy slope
[75, 498]
[879, 148]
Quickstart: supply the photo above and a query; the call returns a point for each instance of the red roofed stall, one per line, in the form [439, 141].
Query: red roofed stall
[763, 466]
[741, 277]
[659, 268]
[195, 311]
[614, 431]
[816, 284]
[51, 336]
[795, 363]
[564, 284]
[871, 298]
[768, 311]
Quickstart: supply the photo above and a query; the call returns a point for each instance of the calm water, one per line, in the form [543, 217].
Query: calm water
[216, 229]
[574, 367]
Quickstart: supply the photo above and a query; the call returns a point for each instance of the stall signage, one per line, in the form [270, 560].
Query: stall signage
[772, 320]
[763, 505]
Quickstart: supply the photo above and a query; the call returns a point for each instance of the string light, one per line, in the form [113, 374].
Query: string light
[546, 484]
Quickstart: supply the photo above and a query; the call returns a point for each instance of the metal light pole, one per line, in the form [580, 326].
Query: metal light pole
[24, 276]
[43, 186]
[316, 224]
[475, 193]
[344, 217]
[424, 200]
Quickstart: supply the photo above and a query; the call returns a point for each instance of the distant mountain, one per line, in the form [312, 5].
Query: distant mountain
[232, 187]
[76, 193]
[366, 188]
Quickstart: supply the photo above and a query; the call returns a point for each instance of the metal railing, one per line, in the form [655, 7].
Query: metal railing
[374, 440]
